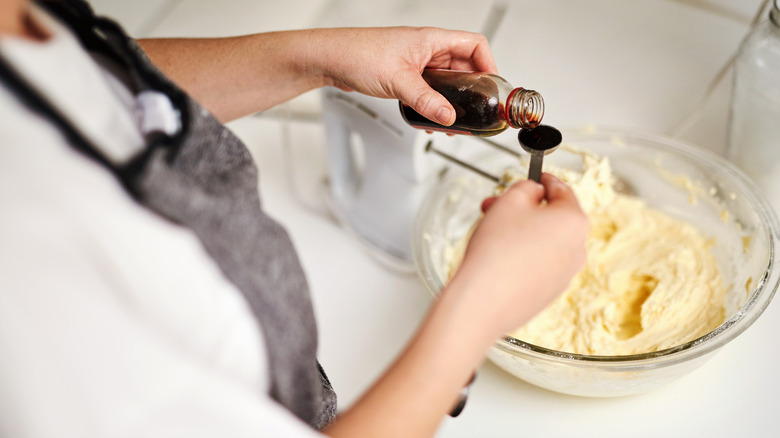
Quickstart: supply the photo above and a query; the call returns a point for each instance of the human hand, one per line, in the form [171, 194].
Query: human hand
[523, 253]
[388, 62]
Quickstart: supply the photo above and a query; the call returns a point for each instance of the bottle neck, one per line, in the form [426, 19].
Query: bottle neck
[524, 108]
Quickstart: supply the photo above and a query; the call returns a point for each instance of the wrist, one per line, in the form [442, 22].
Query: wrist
[493, 305]
[464, 315]
[317, 56]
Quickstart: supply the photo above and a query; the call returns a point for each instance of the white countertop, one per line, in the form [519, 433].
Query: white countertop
[639, 65]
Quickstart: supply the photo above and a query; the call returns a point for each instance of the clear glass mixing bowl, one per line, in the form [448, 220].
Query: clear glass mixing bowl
[685, 182]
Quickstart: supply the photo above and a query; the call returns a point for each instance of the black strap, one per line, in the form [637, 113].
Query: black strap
[104, 36]
[35, 101]
[82, 21]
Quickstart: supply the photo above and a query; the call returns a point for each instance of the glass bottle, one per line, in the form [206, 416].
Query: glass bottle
[485, 104]
[754, 125]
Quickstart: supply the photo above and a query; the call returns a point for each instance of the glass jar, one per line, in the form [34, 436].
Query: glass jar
[754, 125]
[485, 104]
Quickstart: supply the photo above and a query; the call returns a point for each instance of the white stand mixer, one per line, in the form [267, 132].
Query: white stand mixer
[379, 171]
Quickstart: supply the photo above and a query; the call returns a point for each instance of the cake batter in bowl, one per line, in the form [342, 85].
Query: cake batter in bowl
[681, 260]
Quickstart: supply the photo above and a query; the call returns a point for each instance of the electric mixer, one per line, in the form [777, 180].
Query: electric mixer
[379, 171]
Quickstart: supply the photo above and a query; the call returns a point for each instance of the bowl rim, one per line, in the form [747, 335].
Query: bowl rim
[758, 299]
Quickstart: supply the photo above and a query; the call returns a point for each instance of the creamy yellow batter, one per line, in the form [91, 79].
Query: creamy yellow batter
[650, 281]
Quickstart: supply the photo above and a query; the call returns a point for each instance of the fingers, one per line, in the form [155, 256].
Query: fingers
[455, 50]
[524, 192]
[483, 58]
[416, 93]
[487, 203]
[557, 192]
[560, 196]
[467, 51]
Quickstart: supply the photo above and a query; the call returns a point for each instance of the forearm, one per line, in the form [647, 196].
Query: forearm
[422, 386]
[237, 76]
[489, 295]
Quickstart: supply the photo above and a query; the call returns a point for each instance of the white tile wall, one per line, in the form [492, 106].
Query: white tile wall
[136, 16]
[456, 14]
[639, 64]
[594, 50]
[203, 18]
[191, 18]
[188, 18]
[740, 10]
[206, 17]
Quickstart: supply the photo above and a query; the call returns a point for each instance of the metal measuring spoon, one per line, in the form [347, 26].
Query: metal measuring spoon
[538, 142]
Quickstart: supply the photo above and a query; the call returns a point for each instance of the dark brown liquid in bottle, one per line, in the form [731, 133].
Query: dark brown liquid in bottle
[475, 113]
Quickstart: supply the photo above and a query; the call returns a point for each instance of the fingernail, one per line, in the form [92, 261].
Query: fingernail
[443, 115]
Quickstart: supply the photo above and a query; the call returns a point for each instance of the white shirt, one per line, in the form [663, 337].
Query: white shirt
[113, 321]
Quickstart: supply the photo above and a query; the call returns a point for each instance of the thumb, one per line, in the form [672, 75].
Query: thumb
[487, 203]
[416, 93]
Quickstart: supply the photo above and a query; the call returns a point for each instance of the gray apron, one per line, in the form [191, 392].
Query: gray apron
[202, 177]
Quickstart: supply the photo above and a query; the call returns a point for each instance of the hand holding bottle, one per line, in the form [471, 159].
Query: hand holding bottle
[387, 63]
[485, 104]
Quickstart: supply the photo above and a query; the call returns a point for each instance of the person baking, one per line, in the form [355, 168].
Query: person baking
[143, 291]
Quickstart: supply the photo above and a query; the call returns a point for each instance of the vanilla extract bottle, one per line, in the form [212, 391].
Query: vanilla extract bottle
[485, 104]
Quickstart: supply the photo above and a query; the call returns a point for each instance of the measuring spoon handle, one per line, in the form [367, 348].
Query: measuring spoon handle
[535, 167]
